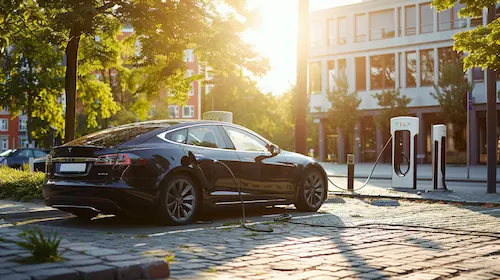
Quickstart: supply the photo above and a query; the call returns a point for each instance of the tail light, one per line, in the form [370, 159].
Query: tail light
[114, 159]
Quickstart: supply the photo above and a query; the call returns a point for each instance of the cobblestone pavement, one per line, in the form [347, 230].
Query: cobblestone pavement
[345, 246]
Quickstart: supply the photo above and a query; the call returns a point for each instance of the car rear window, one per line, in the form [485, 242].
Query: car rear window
[115, 136]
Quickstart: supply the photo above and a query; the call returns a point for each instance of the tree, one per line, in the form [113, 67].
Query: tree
[481, 44]
[452, 87]
[393, 105]
[344, 113]
[164, 29]
[32, 74]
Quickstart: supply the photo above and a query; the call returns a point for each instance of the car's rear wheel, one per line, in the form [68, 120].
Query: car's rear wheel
[312, 192]
[180, 200]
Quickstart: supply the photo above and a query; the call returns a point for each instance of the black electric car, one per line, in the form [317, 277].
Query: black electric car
[147, 169]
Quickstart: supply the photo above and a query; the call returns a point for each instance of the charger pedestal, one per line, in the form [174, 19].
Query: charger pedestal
[439, 157]
[404, 131]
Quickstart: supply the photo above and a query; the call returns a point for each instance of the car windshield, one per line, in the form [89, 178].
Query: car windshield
[8, 152]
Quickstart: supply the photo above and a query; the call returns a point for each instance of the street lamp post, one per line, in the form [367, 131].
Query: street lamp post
[491, 116]
[301, 107]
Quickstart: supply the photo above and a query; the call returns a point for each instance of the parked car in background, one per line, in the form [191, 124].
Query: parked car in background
[144, 168]
[16, 158]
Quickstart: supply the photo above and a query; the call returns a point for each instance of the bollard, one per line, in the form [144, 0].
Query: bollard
[350, 172]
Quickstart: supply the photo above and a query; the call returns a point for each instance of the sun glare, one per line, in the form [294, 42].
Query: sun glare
[276, 38]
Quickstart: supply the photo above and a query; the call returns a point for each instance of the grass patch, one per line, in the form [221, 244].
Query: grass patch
[21, 184]
[42, 248]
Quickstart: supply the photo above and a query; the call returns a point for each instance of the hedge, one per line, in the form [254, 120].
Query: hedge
[20, 184]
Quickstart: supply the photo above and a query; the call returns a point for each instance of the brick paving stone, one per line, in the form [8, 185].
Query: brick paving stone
[343, 273]
[55, 274]
[96, 272]
[122, 257]
[39, 266]
[85, 262]
[15, 276]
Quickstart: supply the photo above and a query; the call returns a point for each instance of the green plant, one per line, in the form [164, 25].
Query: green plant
[42, 248]
[169, 258]
[20, 184]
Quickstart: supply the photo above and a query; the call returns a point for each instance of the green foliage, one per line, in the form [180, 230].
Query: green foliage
[393, 105]
[344, 112]
[31, 75]
[20, 184]
[451, 92]
[481, 44]
[88, 30]
[42, 248]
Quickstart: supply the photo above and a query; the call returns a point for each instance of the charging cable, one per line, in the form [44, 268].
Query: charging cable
[195, 161]
[371, 173]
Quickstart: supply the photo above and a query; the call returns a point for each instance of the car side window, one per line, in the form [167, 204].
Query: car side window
[244, 141]
[39, 154]
[25, 153]
[178, 136]
[205, 136]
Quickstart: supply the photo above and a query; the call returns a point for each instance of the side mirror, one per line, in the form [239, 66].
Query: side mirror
[274, 150]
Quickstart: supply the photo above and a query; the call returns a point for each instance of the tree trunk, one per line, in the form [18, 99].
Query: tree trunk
[29, 121]
[70, 83]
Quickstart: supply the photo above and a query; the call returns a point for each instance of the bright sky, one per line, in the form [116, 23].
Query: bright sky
[276, 38]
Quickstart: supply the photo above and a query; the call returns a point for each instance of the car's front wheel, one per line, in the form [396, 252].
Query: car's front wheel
[312, 192]
[179, 201]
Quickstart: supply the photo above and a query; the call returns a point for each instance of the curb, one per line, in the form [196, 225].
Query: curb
[399, 197]
[33, 214]
[418, 179]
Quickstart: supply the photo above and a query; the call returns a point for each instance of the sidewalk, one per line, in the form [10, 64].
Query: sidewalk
[460, 189]
[81, 260]
[477, 173]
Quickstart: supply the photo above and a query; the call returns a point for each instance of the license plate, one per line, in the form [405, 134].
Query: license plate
[73, 167]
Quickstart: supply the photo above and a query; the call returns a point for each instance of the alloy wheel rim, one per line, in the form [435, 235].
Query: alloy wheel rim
[314, 190]
[181, 199]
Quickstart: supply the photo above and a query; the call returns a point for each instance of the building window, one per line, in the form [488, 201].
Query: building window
[23, 142]
[445, 21]
[208, 88]
[191, 89]
[331, 75]
[426, 18]
[4, 143]
[411, 20]
[23, 123]
[189, 73]
[332, 32]
[360, 73]
[4, 110]
[361, 28]
[4, 124]
[446, 56]
[427, 67]
[188, 111]
[315, 77]
[342, 66]
[315, 33]
[478, 74]
[411, 69]
[342, 31]
[173, 111]
[458, 22]
[188, 55]
[382, 25]
[382, 72]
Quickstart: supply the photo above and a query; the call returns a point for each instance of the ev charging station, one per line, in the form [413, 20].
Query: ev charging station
[439, 157]
[404, 131]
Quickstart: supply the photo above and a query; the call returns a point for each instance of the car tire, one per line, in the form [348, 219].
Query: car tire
[312, 192]
[180, 199]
